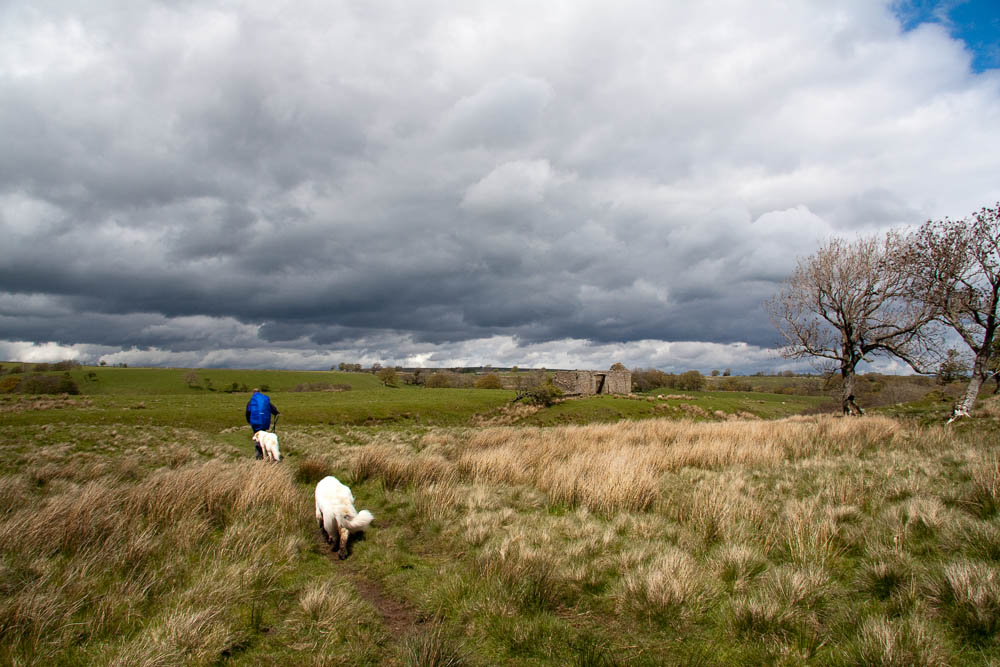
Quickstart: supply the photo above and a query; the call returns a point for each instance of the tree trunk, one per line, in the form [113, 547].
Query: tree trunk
[847, 397]
[979, 375]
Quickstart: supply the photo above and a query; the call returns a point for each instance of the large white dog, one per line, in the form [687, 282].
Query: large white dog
[268, 445]
[336, 514]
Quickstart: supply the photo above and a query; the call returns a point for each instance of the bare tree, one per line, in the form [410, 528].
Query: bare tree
[848, 302]
[956, 269]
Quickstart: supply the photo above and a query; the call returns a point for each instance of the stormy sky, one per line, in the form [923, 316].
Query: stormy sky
[560, 184]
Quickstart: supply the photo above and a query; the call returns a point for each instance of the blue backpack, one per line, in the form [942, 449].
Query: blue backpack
[260, 410]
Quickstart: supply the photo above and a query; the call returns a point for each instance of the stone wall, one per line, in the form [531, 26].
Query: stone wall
[618, 382]
[588, 383]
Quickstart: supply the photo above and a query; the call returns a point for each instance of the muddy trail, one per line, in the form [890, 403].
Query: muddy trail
[400, 618]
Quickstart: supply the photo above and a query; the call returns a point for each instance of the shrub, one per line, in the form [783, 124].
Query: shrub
[952, 368]
[734, 384]
[489, 381]
[66, 365]
[544, 395]
[388, 376]
[644, 380]
[438, 381]
[48, 384]
[417, 377]
[691, 381]
[8, 385]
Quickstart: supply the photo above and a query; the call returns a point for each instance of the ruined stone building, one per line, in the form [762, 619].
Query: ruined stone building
[587, 383]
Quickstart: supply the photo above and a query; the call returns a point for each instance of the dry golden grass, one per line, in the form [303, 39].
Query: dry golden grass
[810, 531]
[329, 607]
[119, 553]
[968, 594]
[396, 468]
[786, 601]
[986, 482]
[673, 587]
[737, 565]
[906, 642]
[618, 467]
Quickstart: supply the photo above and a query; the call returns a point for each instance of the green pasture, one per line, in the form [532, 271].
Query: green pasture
[217, 411]
[101, 380]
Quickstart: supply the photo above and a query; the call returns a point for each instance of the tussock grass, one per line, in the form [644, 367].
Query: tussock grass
[737, 565]
[97, 561]
[811, 532]
[906, 642]
[775, 535]
[985, 492]
[887, 574]
[968, 595]
[184, 635]
[788, 601]
[814, 540]
[527, 574]
[432, 648]
[312, 469]
[674, 587]
[617, 467]
[395, 469]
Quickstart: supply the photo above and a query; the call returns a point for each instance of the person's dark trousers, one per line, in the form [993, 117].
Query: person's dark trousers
[258, 452]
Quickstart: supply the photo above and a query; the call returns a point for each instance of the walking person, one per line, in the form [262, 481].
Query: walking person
[259, 411]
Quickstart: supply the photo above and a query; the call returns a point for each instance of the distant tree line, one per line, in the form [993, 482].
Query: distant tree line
[39, 378]
[652, 378]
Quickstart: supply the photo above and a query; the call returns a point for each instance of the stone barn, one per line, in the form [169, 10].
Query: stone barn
[588, 383]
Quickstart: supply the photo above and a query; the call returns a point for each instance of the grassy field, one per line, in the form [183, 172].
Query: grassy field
[697, 528]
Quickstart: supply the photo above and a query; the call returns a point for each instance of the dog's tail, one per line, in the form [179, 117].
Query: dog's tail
[359, 522]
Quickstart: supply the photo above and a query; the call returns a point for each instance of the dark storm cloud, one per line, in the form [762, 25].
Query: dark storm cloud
[424, 183]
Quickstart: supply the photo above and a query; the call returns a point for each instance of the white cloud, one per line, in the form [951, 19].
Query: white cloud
[503, 113]
[512, 185]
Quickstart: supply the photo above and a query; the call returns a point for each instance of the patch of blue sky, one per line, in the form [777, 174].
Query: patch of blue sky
[975, 22]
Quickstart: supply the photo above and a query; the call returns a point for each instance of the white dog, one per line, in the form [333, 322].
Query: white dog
[336, 514]
[268, 445]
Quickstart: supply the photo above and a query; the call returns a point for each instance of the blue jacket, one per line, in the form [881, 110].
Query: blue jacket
[259, 411]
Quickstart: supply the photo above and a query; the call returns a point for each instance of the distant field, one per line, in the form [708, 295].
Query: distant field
[167, 398]
[163, 381]
[696, 405]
